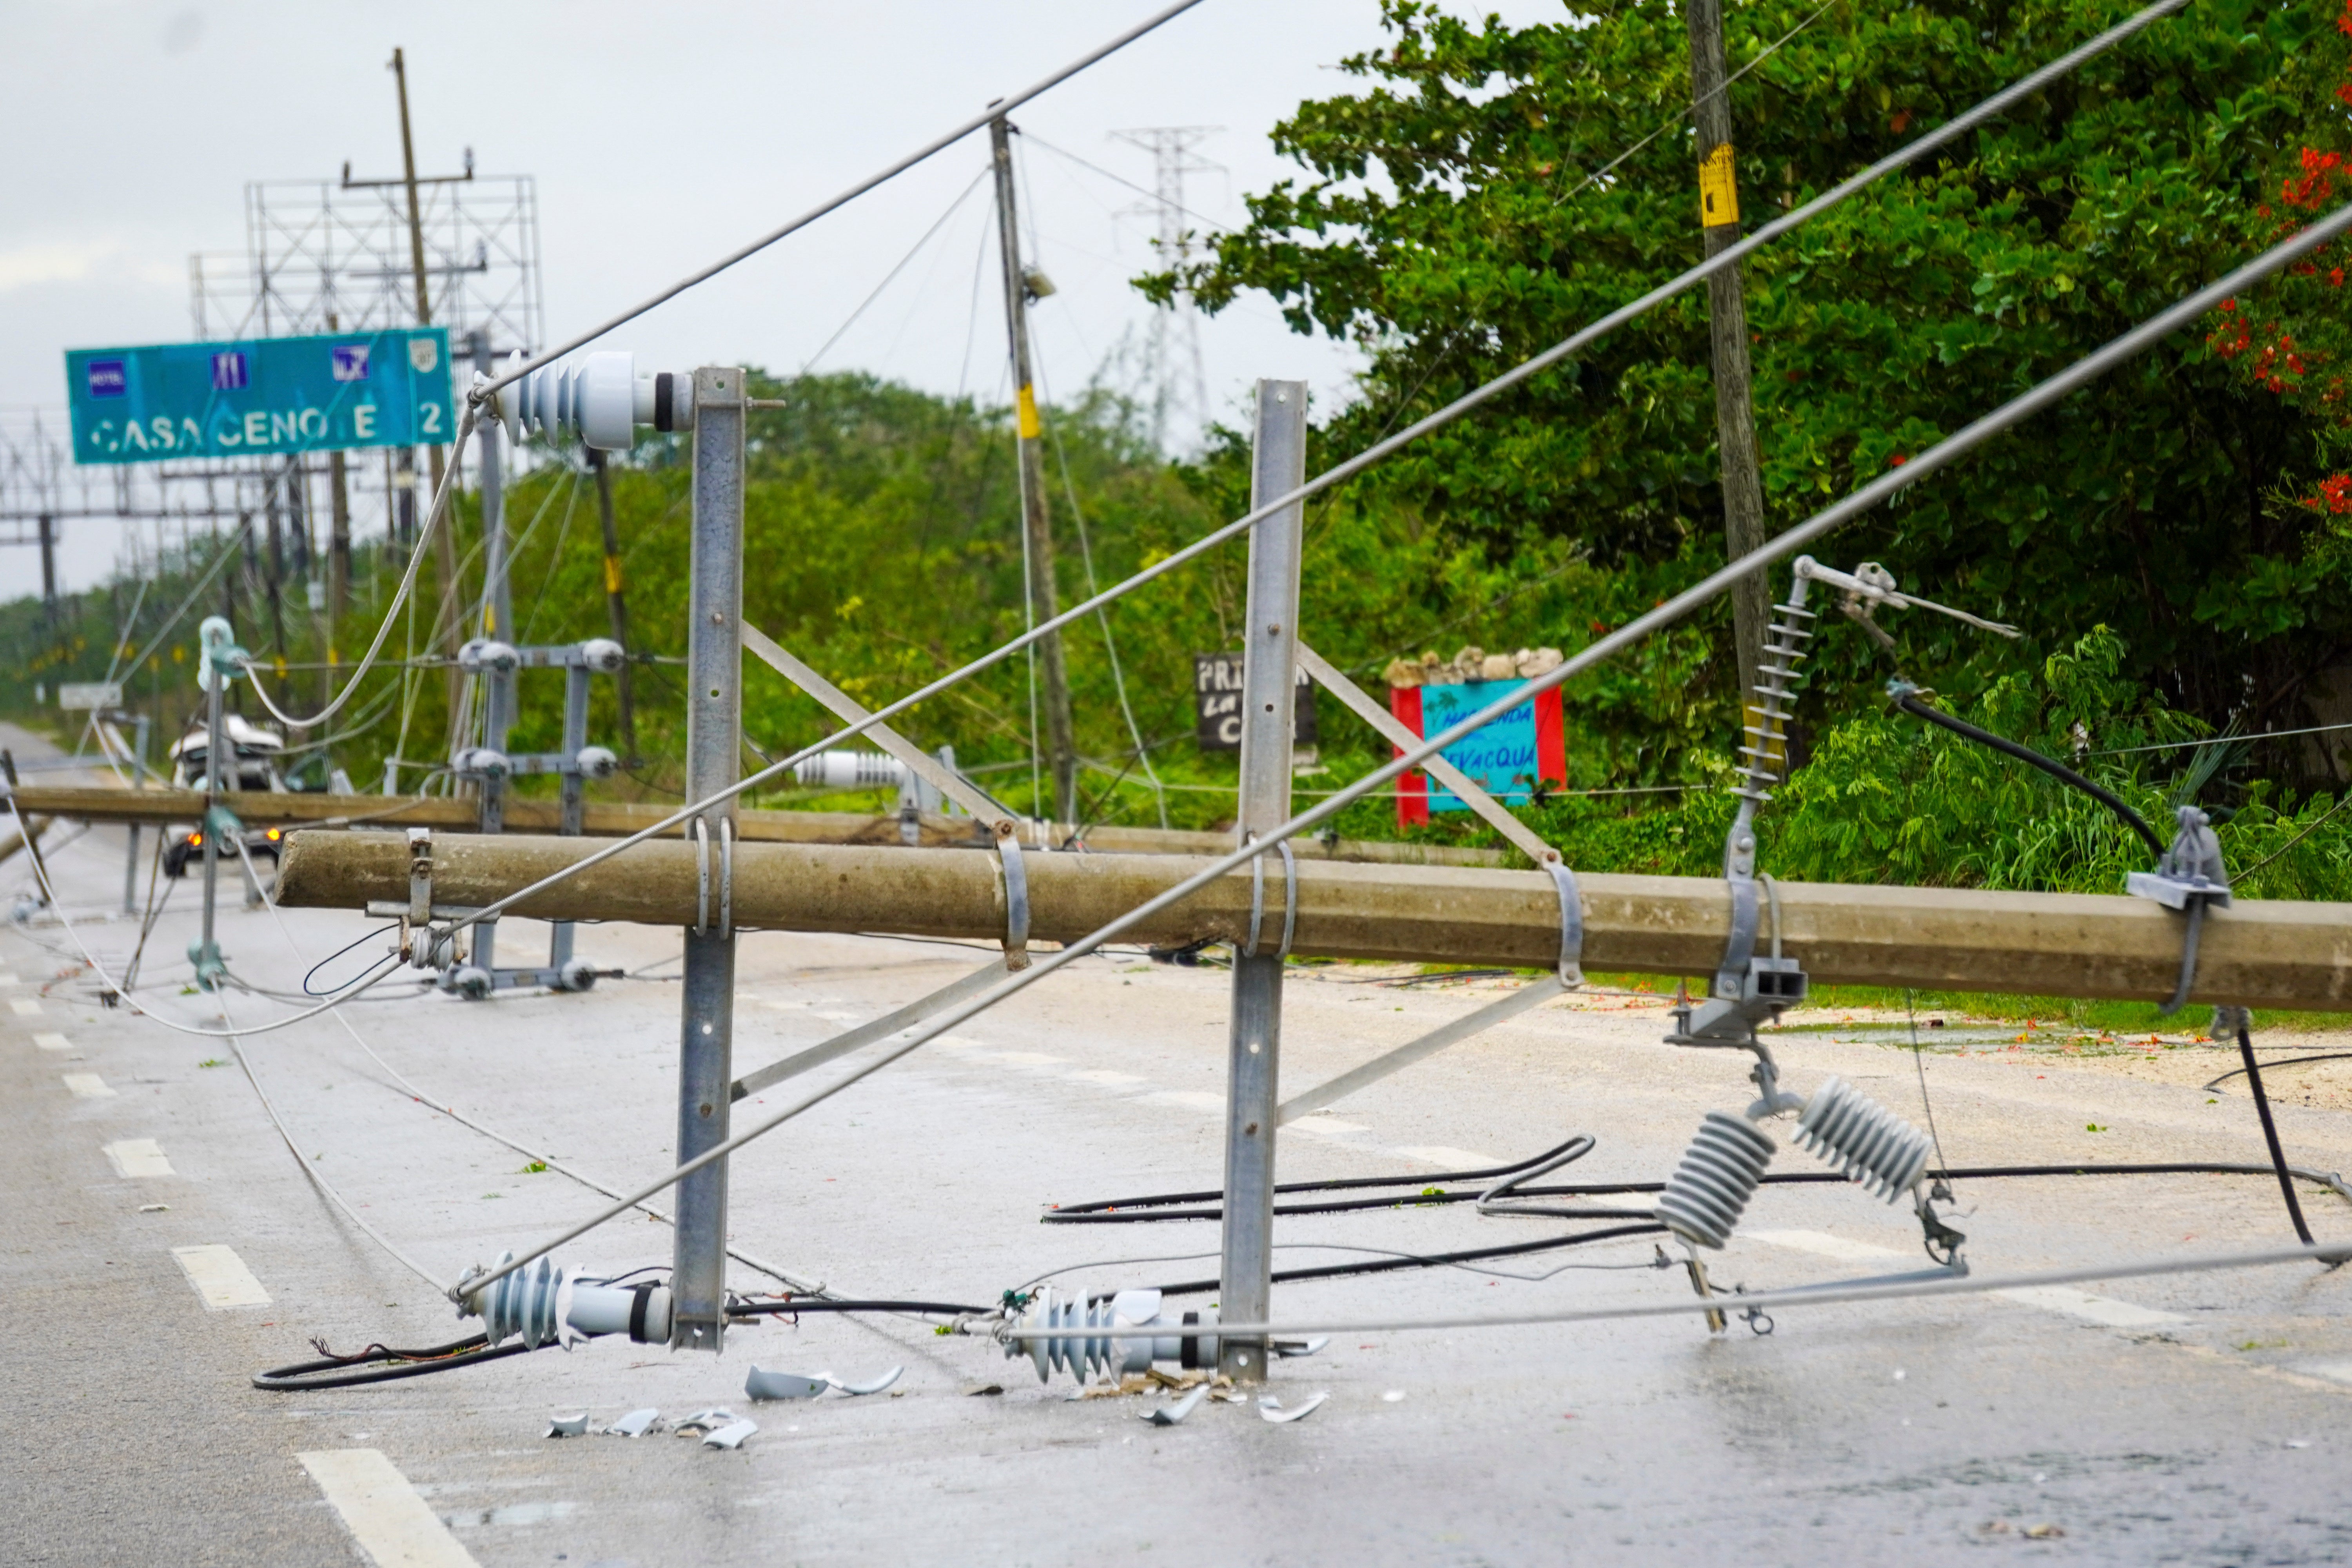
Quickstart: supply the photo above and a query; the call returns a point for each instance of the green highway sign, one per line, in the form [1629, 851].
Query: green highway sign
[261, 396]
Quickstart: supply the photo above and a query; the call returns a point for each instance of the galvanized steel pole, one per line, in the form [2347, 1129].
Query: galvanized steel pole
[714, 729]
[498, 685]
[1269, 703]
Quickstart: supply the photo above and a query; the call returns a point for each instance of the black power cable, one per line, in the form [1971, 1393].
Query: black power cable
[1430, 1260]
[385, 1366]
[2253, 1072]
[1906, 697]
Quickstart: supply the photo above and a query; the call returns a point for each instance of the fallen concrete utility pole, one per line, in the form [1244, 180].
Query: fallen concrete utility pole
[2256, 954]
[614, 820]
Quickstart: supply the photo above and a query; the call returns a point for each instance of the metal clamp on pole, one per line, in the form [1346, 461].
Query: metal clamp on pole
[1289, 902]
[1017, 897]
[2189, 877]
[1571, 924]
[726, 876]
[419, 916]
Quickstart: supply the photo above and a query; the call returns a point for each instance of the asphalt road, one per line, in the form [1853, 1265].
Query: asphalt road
[2198, 1419]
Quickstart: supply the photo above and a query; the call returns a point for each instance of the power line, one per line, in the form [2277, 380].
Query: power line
[996, 108]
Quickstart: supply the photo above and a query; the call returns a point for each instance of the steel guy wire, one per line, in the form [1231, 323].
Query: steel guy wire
[383, 628]
[451, 1111]
[889, 278]
[1935, 459]
[2217, 740]
[1130, 184]
[1094, 590]
[1730, 256]
[1770, 49]
[2330, 1253]
[366, 981]
[326, 1188]
[997, 107]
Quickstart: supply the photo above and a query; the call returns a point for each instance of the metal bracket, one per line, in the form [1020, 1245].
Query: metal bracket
[1571, 924]
[726, 877]
[419, 914]
[1257, 901]
[2191, 878]
[1017, 897]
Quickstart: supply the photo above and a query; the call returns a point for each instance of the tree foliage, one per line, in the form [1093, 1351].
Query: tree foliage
[1468, 207]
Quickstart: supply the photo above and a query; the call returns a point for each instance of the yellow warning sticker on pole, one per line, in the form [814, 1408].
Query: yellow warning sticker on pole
[612, 574]
[1028, 416]
[1718, 192]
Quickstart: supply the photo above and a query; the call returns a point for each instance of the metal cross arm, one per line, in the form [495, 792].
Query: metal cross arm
[881, 1028]
[1392, 729]
[928, 768]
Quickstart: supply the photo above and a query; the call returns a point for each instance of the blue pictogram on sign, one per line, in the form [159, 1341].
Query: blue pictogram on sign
[230, 372]
[106, 378]
[350, 361]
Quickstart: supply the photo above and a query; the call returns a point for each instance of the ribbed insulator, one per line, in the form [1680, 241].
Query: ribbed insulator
[527, 1302]
[1873, 1147]
[1784, 649]
[1709, 1190]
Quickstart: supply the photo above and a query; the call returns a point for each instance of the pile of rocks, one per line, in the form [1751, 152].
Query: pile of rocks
[1473, 664]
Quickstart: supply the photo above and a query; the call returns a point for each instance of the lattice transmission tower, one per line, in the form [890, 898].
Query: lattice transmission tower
[1173, 365]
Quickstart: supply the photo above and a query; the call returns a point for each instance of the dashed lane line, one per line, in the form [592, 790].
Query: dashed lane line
[138, 1157]
[52, 1040]
[87, 1085]
[24, 1006]
[2103, 1310]
[220, 1277]
[390, 1521]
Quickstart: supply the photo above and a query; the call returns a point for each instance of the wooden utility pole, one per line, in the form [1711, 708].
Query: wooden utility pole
[1045, 601]
[339, 533]
[1726, 313]
[614, 605]
[446, 541]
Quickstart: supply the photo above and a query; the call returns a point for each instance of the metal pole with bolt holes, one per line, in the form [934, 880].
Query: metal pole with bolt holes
[615, 607]
[498, 610]
[215, 741]
[1269, 704]
[714, 731]
[140, 727]
[575, 737]
[1037, 521]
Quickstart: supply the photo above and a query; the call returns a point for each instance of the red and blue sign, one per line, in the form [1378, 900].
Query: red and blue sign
[1513, 759]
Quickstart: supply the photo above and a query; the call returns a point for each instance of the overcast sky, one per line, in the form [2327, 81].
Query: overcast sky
[660, 137]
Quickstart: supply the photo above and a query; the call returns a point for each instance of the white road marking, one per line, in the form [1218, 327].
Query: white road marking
[1029, 1058]
[837, 1017]
[2103, 1310]
[1450, 1159]
[2334, 1370]
[9, 980]
[1107, 1078]
[1327, 1126]
[382, 1511]
[1194, 1097]
[138, 1157]
[87, 1086]
[220, 1277]
[24, 1006]
[52, 1041]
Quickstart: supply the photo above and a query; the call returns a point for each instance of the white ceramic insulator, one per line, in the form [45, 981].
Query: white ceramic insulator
[603, 656]
[598, 762]
[851, 770]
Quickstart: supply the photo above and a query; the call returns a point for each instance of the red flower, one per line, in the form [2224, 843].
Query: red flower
[1897, 460]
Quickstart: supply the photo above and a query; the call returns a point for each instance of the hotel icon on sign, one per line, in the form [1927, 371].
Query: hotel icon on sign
[350, 361]
[229, 371]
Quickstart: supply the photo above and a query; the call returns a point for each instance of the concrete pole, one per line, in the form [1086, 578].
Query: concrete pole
[1037, 521]
[1254, 1051]
[714, 730]
[140, 729]
[1727, 312]
[615, 607]
[48, 527]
